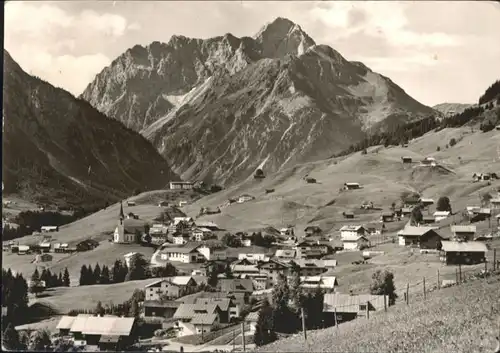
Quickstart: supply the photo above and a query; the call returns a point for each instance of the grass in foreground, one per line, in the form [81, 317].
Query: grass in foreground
[464, 319]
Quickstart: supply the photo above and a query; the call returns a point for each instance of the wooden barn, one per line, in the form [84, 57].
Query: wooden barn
[422, 237]
[463, 253]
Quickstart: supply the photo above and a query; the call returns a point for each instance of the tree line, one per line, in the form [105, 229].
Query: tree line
[139, 269]
[491, 93]
[402, 133]
[51, 279]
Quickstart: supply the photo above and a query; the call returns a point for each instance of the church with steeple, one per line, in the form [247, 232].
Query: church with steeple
[127, 230]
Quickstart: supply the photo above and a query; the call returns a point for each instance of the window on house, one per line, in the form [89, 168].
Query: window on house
[362, 307]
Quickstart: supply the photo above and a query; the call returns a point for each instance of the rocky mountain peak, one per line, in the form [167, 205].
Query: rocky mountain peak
[281, 37]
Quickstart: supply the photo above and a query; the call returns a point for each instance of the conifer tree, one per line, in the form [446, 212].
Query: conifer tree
[90, 275]
[99, 309]
[97, 273]
[104, 275]
[84, 276]
[36, 275]
[66, 280]
[264, 329]
[10, 338]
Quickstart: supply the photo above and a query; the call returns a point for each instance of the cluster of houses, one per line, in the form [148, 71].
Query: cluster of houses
[462, 247]
[178, 230]
[46, 246]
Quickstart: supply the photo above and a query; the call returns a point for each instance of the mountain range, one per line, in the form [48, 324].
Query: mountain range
[59, 150]
[218, 109]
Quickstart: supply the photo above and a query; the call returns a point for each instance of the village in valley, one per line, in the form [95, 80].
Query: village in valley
[244, 176]
[171, 269]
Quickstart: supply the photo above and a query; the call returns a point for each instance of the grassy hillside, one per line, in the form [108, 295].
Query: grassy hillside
[464, 319]
[381, 173]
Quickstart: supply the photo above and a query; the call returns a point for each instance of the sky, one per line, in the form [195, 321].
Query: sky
[436, 51]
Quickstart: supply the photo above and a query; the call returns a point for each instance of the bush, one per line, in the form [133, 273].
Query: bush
[438, 149]
[453, 142]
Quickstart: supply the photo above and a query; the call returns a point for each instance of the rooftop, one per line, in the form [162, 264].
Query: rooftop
[347, 303]
[203, 319]
[414, 231]
[97, 325]
[463, 229]
[350, 227]
[469, 246]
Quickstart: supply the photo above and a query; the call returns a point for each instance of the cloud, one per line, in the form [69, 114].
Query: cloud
[134, 27]
[51, 43]
[72, 73]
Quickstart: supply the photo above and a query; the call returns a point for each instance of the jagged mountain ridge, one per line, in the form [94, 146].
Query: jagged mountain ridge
[59, 150]
[221, 107]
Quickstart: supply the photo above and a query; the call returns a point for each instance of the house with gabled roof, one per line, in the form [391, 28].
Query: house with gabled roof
[463, 232]
[209, 225]
[350, 231]
[228, 308]
[180, 238]
[423, 237]
[186, 254]
[347, 307]
[196, 318]
[376, 228]
[327, 283]
[463, 253]
[355, 242]
[273, 268]
[169, 287]
[107, 332]
[201, 233]
[213, 250]
[351, 186]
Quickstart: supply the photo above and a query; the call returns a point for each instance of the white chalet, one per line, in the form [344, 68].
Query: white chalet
[350, 231]
[185, 254]
[201, 233]
[355, 242]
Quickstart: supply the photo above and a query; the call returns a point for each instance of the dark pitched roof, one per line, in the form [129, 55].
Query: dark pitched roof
[236, 285]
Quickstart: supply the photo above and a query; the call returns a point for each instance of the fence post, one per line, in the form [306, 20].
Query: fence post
[367, 310]
[385, 302]
[425, 295]
[407, 293]
[335, 313]
[456, 275]
[494, 259]
[439, 281]
[460, 273]
[303, 323]
[243, 335]
[234, 339]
